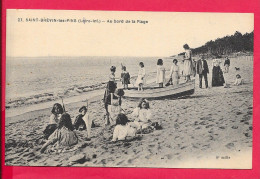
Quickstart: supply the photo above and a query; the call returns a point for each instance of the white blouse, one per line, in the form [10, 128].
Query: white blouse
[121, 132]
[143, 115]
[54, 119]
[174, 68]
[187, 54]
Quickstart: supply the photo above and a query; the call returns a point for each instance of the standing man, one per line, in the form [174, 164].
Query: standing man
[203, 70]
[227, 64]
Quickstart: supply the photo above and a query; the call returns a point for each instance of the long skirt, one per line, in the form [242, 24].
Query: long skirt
[175, 78]
[187, 68]
[217, 76]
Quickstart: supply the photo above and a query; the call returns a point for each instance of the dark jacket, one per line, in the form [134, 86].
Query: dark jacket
[79, 122]
[204, 69]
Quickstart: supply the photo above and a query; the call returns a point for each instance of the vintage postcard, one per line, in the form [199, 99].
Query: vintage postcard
[129, 89]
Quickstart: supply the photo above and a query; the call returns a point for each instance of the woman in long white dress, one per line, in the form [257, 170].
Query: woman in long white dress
[160, 77]
[187, 64]
[174, 73]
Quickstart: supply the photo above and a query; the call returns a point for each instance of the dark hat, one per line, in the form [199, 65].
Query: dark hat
[113, 68]
[83, 108]
[175, 60]
[186, 46]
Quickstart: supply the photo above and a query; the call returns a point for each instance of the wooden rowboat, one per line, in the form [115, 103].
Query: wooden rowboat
[171, 91]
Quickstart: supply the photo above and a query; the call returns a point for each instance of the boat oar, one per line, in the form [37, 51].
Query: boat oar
[63, 106]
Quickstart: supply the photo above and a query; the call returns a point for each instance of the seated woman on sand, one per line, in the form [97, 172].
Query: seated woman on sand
[56, 111]
[63, 136]
[142, 115]
[123, 128]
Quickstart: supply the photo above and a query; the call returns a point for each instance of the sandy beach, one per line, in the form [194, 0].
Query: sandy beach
[210, 129]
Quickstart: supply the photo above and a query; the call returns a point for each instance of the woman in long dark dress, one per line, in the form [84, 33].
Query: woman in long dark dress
[217, 74]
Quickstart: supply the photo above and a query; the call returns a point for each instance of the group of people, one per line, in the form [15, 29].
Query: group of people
[60, 132]
[60, 129]
[113, 99]
[218, 75]
[187, 72]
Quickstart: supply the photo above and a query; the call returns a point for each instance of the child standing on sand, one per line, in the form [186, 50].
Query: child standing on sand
[123, 128]
[142, 115]
[141, 77]
[56, 111]
[63, 136]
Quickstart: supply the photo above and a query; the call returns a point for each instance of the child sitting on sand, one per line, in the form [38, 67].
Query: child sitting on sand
[123, 128]
[142, 114]
[63, 135]
[56, 111]
[239, 80]
[83, 121]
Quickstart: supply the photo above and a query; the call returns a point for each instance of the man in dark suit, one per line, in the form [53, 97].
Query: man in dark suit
[203, 70]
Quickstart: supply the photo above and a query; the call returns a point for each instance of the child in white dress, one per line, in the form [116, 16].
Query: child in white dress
[123, 129]
[174, 73]
[160, 76]
[239, 80]
[142, 115]
[141, 77]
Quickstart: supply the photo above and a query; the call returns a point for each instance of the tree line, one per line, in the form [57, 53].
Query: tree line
[227, 45]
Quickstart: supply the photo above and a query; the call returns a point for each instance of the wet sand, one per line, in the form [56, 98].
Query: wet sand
[211, 129]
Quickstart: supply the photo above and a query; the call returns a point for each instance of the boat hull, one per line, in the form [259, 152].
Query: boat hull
[162, 93]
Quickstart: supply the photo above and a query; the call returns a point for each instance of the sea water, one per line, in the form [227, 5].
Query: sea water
[37, 79]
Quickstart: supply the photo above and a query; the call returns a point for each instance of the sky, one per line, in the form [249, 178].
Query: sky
[163, 34]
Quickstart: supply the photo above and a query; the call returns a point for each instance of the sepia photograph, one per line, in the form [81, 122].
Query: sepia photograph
[129, 89]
